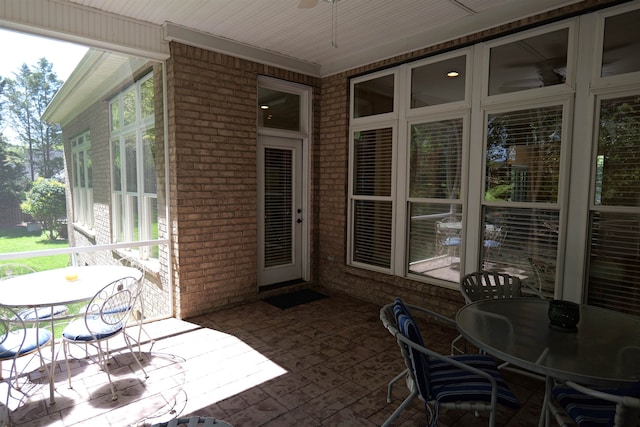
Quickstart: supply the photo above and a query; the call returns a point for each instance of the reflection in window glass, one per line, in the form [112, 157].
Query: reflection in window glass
[531, 63]
[146, 98]
[117, 166]
[129, 105]
[373, 151]
[436, 159]
[373, 96]
[435, 240]
[131, 168]
[524, 240]
[523, 155]
[278, 110]
[115, 115]
[618, 159]
[621, 44]
[149, 145]
[438, 83]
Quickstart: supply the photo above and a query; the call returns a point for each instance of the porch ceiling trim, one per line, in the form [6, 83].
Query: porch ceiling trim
[84, 25]
[188, 36]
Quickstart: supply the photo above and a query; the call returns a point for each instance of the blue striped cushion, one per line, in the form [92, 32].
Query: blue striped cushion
[420, 364]
[439, 380]
[451, 384]
[32, 339]
[41, 313]
[586, 410]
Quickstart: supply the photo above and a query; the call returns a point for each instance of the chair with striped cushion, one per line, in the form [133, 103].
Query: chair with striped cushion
[588, 407]
[466, 382]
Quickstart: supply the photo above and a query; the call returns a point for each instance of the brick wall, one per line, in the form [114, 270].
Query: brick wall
[212, 132]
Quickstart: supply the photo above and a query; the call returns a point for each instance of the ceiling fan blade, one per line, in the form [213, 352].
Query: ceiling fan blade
[307, 4]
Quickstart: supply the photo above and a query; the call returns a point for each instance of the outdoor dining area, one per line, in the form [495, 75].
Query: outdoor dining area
[510, 358]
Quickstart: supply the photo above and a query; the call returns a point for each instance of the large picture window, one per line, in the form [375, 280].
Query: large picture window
[133, 153]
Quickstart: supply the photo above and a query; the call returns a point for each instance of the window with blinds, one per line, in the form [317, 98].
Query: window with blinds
[522, 168]
[614, 258]
[278, 205]
[435, 220]
[372, 206]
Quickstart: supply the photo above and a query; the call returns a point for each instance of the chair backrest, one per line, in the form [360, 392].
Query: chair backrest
[489, 285]
[111, 307]
[12, 333]
[398, 320]
[11, 269]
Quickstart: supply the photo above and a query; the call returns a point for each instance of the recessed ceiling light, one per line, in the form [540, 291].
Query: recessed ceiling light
[264, 107]
[453, 74]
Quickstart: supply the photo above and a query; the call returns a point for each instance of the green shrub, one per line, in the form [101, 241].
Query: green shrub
[46, 203]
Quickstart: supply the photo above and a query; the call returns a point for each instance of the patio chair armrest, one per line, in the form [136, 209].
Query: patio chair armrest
[437, 316]
[627, 401]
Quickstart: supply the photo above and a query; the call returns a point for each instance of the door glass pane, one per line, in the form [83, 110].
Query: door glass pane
[523, 155]
[438, 83]
[278, 207]
[372, 162]
[278, 110]
[621, 44]
[531, 63]
[436, 159]
[373, 96]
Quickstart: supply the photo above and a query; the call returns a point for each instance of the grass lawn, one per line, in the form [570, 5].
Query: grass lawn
[18, 239]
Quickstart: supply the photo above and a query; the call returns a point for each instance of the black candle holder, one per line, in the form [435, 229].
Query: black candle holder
[564, 315]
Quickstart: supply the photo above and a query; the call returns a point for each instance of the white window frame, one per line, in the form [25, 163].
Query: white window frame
[126, 203]
[82, 196]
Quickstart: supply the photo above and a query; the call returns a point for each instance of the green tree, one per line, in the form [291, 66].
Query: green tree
[46, 203]
[12, 178]
[27, 96]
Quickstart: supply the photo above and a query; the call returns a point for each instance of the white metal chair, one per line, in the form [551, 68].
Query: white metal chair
[105, 318]
[584, 406]
[138, 318]
[466, 382]
[16, 340]
[449, 236]
[482, 285]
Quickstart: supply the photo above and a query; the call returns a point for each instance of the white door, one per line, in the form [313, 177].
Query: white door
[280, 210]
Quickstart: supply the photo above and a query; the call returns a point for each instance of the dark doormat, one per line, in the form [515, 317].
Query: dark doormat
[295, 298]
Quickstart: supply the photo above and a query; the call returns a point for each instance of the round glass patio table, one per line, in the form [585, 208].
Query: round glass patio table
[59, 287]
[604, 351]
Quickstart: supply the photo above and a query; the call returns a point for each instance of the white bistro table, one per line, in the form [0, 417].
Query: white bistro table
[604, 351]
[53, 287]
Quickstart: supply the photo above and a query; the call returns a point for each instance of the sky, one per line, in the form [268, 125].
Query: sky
[19, 48]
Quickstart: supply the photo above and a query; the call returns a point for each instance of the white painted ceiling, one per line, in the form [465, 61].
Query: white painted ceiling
[367, 30]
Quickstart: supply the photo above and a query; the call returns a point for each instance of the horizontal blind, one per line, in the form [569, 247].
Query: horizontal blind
[614, 257]
[435, 159]
[372, 212]
[523, 155]
[278, 208]
[523, 243]
[372, 162]
[372, 232]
